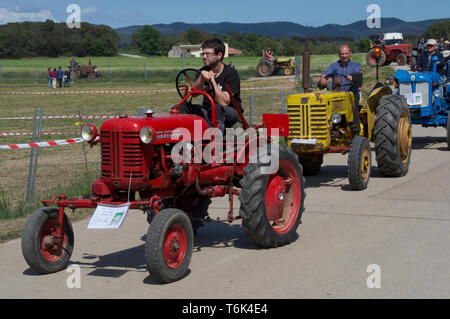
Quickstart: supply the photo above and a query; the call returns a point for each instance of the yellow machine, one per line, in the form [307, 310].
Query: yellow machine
[284, 66]
[320, 122]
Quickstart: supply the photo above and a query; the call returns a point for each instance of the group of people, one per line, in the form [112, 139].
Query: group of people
[432, 48]
[58, 75]
[441, 44]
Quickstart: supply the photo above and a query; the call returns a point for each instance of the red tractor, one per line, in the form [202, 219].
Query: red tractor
[392, 50]
[141, 166]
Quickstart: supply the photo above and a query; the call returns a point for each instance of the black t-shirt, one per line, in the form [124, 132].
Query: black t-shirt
[230, 77]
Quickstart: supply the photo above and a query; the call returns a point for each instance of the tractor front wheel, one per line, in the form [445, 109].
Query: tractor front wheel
[401, 59]
[272, 201]
[359, 163]
[393, 136]
[169, 244]
[42, 249]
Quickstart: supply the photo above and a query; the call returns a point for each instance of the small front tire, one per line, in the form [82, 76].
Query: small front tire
[39, 241]
[169, 245]
[359, 163]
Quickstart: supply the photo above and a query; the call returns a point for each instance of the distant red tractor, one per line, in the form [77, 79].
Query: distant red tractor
[140, 166]
[392, 50]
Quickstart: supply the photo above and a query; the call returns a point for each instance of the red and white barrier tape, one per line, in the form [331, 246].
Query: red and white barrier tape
[41, 144]
[42, 133]
[128, 91]
[62, 117]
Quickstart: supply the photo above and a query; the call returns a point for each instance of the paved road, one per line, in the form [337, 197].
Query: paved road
[402, 225]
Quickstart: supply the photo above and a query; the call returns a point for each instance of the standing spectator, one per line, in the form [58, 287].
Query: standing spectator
[231, 64]
[59, 77]
[49, 77]
[67, 77]
[53, 76]
[421, 45]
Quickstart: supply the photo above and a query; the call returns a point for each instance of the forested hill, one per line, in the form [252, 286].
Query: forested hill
[356, 30]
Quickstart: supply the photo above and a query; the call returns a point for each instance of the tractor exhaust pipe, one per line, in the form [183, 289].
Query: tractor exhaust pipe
[306, 68]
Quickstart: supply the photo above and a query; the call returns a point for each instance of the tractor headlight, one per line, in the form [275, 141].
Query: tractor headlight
[89, 133]
[146, 134]
[336, 118]
[437, 93]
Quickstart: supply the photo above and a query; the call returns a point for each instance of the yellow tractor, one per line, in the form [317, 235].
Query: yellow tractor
[268, 67]
[320, 122]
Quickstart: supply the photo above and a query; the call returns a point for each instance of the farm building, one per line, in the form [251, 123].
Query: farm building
[194, 50]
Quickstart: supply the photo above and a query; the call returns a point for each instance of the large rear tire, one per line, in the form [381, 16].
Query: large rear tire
[39, 246]
[393, 136]
[265, 68]
[272, 204]
[359, 163]
[169, 244]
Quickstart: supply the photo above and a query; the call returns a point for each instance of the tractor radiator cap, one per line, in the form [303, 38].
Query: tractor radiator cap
[149, 112]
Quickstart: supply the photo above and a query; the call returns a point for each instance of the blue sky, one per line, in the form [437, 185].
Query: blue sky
[137, 12]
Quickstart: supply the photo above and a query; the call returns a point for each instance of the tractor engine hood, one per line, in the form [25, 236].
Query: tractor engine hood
[163, 127]
[403, 76]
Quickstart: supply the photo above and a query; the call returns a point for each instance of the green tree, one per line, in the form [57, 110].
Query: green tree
[438, 29]
[192, 36]
[148, 40]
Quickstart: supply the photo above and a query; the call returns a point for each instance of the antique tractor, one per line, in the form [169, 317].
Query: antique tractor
[392, 50]
[267, 68]
[155, 164]
[320, 122]
[427, 95]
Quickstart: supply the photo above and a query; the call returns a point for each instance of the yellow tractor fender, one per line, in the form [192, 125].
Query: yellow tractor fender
[373, 100]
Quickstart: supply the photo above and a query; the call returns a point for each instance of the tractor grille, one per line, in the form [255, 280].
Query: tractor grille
[308, 121]
[421, 87]
[122, 155]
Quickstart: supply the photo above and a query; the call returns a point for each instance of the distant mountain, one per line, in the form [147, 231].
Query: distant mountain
[356, 30]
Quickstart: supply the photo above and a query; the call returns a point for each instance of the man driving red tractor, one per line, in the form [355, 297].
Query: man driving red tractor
[214, 76]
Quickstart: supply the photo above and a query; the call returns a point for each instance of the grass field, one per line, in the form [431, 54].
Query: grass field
[125, 70]
[63, 168]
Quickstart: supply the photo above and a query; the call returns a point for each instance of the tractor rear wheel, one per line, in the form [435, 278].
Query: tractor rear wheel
[169, 244]
[359, 163]
[393, 136]
[311, 163]
[372, 61]
[401, 59]
[272, 202]
[265, 68]
[40, 242]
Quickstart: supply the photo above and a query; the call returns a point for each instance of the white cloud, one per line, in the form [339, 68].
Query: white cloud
[7, 16]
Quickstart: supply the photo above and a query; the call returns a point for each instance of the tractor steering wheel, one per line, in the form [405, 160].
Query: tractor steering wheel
[185, 82]
[187, 90]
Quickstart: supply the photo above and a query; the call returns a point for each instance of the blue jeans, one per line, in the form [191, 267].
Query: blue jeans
[50, 83]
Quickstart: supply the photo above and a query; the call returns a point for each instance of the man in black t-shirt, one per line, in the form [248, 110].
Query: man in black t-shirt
[214, 75]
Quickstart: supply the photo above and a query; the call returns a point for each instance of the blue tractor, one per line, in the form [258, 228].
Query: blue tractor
[428, 97]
